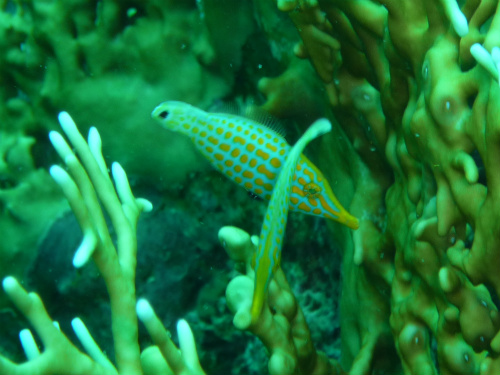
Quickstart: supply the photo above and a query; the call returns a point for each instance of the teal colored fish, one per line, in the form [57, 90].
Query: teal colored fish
[268, 255]
[252, 155]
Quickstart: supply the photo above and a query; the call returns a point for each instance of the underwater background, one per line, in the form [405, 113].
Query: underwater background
[412, 92]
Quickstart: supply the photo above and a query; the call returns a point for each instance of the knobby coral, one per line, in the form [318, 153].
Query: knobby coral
[415, 88]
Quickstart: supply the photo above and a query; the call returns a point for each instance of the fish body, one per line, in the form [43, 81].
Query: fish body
[252, 155]
[268, 256]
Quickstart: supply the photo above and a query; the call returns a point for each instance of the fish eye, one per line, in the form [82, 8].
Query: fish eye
[163, 114]
[311, 190]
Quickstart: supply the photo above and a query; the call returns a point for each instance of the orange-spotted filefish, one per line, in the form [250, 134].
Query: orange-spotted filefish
[251, 154]
[268, 256]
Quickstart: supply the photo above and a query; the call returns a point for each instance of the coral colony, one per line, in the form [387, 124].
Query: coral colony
[404, 97]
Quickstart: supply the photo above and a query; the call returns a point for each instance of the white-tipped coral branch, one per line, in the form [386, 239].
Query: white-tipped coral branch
[89, 343]
[117, 265]
[29, 345]
[89, 241]
[59, 355]
[165, 354]
[456, 17]
[490, 62]
[87, 186]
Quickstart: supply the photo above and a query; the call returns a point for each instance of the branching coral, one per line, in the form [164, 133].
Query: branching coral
[281, 325]
[412, 89]
[86, 187]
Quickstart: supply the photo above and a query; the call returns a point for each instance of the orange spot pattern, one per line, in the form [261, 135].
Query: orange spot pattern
[239, 140]
[312, 202]
[304, 207]
[262, 169]
[262, 154]
[297, 190]
[252, 156]
[275, 162]
[271, 147]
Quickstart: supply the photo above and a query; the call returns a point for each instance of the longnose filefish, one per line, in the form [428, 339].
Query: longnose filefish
[251, 154]
[268, 256]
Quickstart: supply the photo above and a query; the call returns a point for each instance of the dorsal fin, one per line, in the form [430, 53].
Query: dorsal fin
[221, 107]
[249, 111]
[257, 114]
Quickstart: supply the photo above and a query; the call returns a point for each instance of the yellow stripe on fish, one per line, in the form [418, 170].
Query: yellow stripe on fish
[252, 155]
[268, 257]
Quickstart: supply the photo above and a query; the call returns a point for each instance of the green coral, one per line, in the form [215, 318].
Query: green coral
[412, 90]
[29, 203]
[420, 116]
[87, 186]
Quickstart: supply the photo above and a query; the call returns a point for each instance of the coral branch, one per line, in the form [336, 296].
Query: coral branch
[281, 326]
[86, 187]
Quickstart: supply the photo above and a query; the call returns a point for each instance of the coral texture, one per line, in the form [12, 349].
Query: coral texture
[412, 90]
[415, 88]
